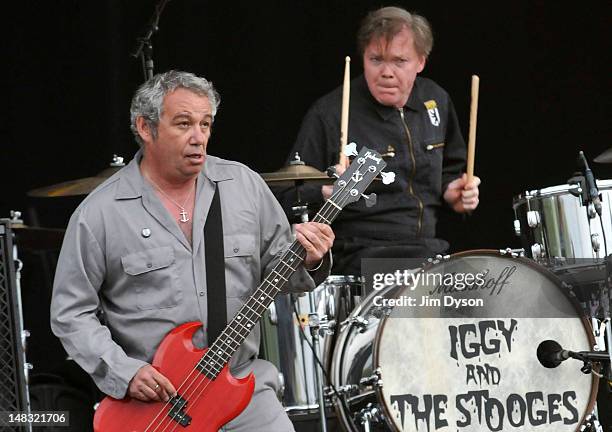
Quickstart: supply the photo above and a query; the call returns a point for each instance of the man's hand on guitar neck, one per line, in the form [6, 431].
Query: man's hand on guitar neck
[149, 385]
[317, 239]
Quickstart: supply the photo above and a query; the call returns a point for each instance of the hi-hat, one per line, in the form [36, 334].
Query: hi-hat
[79, 186]
[297, 172]
[605, 157]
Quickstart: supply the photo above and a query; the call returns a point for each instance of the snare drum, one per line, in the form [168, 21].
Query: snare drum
[553, 223]
[401, 369]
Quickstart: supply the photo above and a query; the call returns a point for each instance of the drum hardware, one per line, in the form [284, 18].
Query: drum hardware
[517, 227]
[272, 315]
[369, 414]
[317, 325]
[81, 186]
[374, 380]
[341, 390]
[537, 251]
[144, 47]
[512, 252]
[357, 354]
[533, 218]
[595, 242]
[592, 194]
[591, 424]
[356, 321]
[558, 221]
[435, 260]
[281, 386]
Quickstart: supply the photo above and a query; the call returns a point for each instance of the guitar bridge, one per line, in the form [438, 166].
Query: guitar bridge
[177, 411]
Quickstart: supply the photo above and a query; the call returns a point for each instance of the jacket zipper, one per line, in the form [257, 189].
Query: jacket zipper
[412, 174]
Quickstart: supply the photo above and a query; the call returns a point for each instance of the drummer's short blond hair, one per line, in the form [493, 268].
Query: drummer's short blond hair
[389, 21]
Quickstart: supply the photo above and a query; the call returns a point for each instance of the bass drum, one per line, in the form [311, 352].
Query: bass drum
[474, 368]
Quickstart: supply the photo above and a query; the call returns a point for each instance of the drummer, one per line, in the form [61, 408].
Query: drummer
[411, 122]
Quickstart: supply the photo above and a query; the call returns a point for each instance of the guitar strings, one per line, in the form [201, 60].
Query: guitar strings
[250, 314]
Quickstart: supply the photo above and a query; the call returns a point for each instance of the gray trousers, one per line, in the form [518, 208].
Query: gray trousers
[264, 413]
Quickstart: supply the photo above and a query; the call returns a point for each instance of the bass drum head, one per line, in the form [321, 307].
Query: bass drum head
[477, 369]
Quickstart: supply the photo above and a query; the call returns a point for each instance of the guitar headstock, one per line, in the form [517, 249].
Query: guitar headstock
[350, 186]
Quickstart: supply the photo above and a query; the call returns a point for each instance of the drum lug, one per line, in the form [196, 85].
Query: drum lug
[372, 380]
[323, 325]
[341, 390]
[533, 218]
[514, 253]
[357, 321]
[281, 386]
[435, 260]
[537, 250]
[595, 242]
[591, 211]
[517, 227]
[273, 316]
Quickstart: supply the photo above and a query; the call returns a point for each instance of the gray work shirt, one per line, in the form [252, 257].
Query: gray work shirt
[124, 253]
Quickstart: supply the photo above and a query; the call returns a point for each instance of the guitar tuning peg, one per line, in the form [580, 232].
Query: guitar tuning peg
[387, 177]
[370, 199]
[331, 172]
[351, 149]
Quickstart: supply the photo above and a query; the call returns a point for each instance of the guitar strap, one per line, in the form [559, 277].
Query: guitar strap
[215, 269]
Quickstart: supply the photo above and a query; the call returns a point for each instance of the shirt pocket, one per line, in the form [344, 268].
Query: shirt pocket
[241, 265]
[151, 275]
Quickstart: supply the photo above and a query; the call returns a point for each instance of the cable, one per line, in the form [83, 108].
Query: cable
[603, 232]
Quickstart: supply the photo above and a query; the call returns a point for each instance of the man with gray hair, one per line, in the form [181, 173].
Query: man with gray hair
[409, 120]
[136, 248]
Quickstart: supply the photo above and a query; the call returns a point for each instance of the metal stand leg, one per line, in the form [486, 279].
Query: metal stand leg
[315, 324]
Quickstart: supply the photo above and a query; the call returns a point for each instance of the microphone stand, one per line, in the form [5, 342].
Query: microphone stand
[144, 48]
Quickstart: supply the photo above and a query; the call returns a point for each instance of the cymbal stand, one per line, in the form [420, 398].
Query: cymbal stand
[10, 268]
[315, 323]
[299, 208]
[144, 48]
[319, 324]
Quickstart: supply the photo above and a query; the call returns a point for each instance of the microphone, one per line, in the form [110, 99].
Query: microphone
[591, 184]
[550, 354]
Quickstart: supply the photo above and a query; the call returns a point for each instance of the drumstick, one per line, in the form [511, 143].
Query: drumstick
[472, 134]
[346, 90]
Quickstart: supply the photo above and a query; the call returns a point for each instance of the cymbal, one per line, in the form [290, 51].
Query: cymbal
[605, 157]
[295, 173]
[37, 238]
[79, 186]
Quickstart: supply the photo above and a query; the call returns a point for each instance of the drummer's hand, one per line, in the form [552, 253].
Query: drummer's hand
[317, 239]
[150, 385]
[327, 190]
[462, 196]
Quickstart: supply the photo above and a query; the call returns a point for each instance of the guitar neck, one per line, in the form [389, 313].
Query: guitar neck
[253, 309]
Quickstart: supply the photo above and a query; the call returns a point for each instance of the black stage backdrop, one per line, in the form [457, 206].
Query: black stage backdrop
[69, 77]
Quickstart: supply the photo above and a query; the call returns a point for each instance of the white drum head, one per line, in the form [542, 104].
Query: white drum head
[455, 373]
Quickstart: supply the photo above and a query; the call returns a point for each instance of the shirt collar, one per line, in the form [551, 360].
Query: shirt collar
[131, 183]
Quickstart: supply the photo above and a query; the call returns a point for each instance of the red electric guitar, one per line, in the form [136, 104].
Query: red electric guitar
[208, 395]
